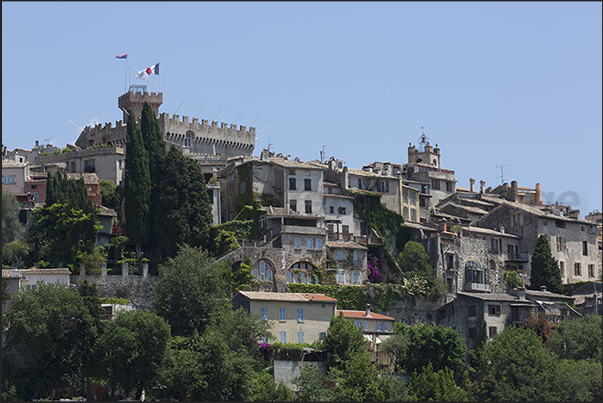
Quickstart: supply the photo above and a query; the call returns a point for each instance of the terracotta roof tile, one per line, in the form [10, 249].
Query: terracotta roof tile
[291, 297]
[362, 315]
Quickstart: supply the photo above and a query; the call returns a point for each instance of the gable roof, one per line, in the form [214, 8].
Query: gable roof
[7, 273]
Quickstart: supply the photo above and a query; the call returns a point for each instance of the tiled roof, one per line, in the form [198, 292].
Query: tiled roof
[475, 210]
[6, 273]
[318, 297]
[547, 294]
[362, 315]
[105, 211]
[286, 297]
[89, 178]
[13, 164]
[492, 297]
[288, 163]
[489, 232]
[346, 245]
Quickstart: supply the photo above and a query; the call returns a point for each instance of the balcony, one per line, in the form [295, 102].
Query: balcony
[478, 287]
[517, 257]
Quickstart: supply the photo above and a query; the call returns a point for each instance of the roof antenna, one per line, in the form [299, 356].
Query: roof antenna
[256, 119]
[502, 177]
[217, 114]
[235, 121]
[178, 108]
[105, 116]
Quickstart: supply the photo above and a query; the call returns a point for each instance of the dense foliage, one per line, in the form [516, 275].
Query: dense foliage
[11, 227]
[545, 269]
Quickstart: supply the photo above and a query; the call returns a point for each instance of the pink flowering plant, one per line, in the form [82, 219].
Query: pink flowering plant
[541, 325]
[374, 274]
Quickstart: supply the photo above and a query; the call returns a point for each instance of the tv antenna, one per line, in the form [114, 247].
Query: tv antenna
[269, 144]
[267, 127]
[105, 116]
[50, 138]
[502, 176]
[323, 154]
[198, 111]
[178, 108]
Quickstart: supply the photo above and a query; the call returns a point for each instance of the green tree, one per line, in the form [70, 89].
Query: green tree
[112, 194]
[16, 253]
[186, 213]
[397, 345]
[190, 289]
[427, 385]
[517, 366]
[545, 269]
[311, 384]
[61, 233]
[264, 389]
[155, 146]
[357, 380]
[137, 186]
[51, 331]
[344, 341]
[11, 227]
[577, 380]
[414, 261]
[135, 343]
[438, 346]
[579, 338]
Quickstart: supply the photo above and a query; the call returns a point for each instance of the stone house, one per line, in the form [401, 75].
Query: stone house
[573, 241]
[375, 327]
[478, 316]
[349, 260]
[293, 317]
[589, 298]
[28, 278]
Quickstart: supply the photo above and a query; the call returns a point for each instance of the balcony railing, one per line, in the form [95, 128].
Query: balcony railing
[478, 287]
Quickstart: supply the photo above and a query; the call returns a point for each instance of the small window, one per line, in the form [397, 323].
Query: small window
[591, 270]
[562, 268]
[585, 248]
[308, 206]
[356, 277]
[309, 244]
[413, 214]
[292, 184]
[300, 314]
[471, 311]
[434, 184]
[331, 210]
[494, 310]
[559, 224]
[379, 326]
[345, 229]
[36, 186]
[341, 276]
[355, 258]
[448, 187]
[342, 210]
[283, 337]
[544, 222]
[282, 314]
[340, 254]
[268, 275]
[577, 269]
[293, 205]
[255, 274]
[322, 335]
[300, 337]
[307, 184]
[264, 313]
[289, 279]
[492, 331]
[297, 243]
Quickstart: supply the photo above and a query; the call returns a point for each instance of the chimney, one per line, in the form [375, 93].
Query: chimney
[367, 310]
[514, 196]
[482, 185]
[543, 288]
[538, 198]
[472, 184]
[521, 293]
[502, 229]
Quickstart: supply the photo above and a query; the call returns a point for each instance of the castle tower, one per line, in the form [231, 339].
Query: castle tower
[135, 98]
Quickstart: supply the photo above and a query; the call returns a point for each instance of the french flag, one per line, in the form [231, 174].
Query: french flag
[153, 70]
[121, 56]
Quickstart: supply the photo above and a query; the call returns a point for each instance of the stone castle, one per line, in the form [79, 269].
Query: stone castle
[194, 138]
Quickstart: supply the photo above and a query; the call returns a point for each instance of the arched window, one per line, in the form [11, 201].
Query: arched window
[301, 273]
[264, 268]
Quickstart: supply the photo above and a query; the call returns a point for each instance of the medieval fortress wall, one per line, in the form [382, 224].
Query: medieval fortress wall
[194, 138]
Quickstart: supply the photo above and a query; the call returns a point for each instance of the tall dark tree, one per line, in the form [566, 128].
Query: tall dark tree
[185, 211]
[545, 268]
[155, 146]
[11, 227]
[137, 186]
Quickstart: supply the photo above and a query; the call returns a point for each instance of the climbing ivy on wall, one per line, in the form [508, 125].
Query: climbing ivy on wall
[387, 223]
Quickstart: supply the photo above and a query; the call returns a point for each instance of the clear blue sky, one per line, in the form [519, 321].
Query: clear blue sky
[494, 83]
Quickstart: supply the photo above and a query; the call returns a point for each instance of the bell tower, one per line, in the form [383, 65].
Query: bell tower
[135, 98]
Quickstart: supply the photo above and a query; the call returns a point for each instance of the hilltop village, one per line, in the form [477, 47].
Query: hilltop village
[320, 223]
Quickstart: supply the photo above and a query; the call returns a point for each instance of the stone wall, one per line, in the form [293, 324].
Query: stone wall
[286, 371]
[414, 312]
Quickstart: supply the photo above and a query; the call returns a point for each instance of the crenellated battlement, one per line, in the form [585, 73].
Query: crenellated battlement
[175, 124]
[103, 134]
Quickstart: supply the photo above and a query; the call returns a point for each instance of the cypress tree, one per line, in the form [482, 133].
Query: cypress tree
[137, 186]
[184, 204]
[155, 146]
[545, 269]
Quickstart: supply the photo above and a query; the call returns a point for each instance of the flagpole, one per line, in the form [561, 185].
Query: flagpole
[126, 76]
